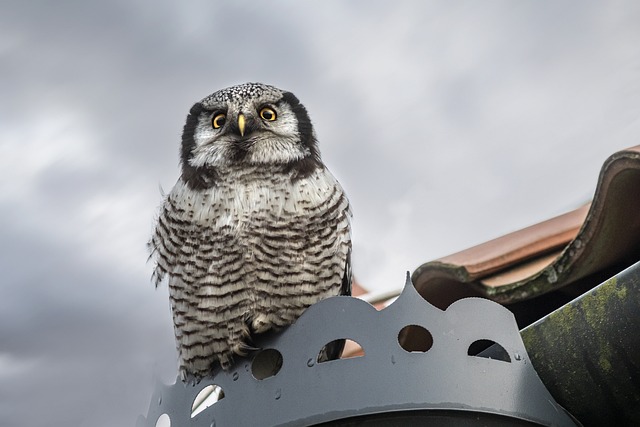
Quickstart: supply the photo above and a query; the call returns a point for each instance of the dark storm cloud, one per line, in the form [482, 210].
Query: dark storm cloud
[84, 341]
[448, 124]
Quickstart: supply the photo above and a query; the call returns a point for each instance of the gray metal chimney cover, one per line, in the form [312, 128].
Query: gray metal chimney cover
[386, 379]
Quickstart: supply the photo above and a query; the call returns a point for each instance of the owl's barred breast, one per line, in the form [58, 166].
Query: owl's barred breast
[248, 254]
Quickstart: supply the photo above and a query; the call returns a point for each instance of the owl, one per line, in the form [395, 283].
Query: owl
[255, 230]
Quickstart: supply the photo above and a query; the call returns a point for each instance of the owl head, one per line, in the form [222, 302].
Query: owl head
[248, 124]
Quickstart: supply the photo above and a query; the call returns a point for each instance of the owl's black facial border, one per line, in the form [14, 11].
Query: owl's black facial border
[196, 178]
[188, 132]
[306, 166]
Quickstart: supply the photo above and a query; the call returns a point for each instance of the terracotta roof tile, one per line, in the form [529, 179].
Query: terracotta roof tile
[549, 255]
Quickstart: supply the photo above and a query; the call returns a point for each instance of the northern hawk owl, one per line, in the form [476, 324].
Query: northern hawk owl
[255, 230]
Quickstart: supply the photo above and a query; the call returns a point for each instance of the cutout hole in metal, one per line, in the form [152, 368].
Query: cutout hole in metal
[415, 339]
[163, 421]
[208, 396]
[340, 349]
[488, 349]
[266, 363]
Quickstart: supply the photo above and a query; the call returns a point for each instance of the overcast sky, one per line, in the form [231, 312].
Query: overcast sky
[448, 123]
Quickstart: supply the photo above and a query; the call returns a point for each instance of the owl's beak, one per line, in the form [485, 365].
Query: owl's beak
[241, 123]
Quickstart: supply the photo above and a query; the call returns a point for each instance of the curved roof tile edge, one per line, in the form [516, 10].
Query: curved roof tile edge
[553, 253]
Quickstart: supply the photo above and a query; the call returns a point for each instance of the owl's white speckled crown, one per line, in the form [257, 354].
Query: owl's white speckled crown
[388, 380]
[242, 91]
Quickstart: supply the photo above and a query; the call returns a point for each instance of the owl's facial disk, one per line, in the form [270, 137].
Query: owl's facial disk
[237, 130]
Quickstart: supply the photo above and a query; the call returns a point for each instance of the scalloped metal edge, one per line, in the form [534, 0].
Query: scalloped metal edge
[387, 378]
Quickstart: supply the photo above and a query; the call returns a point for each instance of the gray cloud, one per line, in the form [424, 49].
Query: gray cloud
[448, 124]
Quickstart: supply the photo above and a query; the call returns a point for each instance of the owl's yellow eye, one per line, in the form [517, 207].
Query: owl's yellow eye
[218, 120]
[268, 114]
